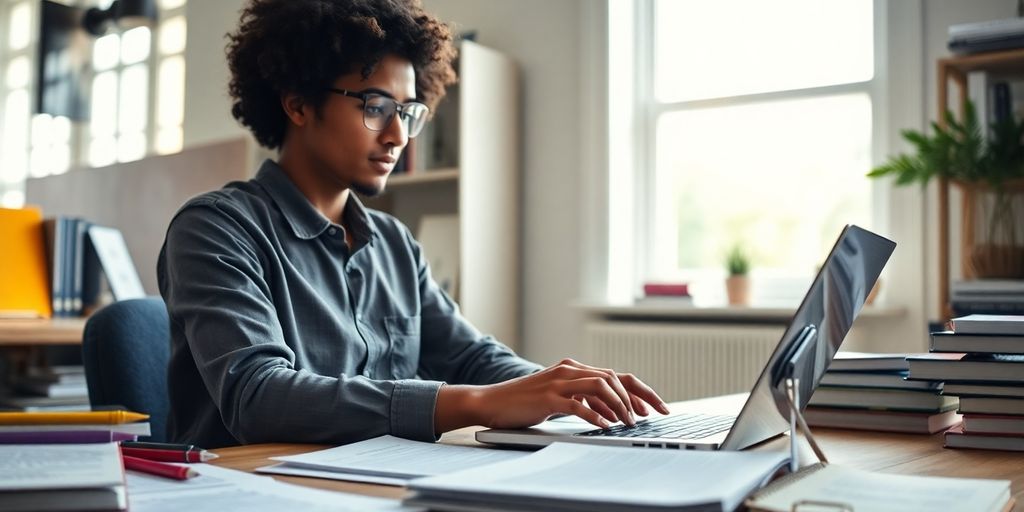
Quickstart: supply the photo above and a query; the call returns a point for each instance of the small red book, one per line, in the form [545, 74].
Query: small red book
[666, 290]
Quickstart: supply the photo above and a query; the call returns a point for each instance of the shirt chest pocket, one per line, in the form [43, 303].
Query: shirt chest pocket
[404, 340]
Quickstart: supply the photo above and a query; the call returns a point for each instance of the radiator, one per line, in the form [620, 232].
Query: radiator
[684, 361]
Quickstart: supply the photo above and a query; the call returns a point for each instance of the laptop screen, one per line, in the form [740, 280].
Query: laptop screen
[819, 326]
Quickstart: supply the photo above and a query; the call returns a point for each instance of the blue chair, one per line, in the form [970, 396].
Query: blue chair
[125, 350]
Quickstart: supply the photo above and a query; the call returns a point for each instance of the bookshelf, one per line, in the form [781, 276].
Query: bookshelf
[956, 69]
[466, 164]
[57, 331]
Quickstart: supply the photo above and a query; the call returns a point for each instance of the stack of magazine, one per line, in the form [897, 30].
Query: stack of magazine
[981, 360]
[871, 392]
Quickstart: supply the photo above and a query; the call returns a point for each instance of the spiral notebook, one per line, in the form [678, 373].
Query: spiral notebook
[832, 488]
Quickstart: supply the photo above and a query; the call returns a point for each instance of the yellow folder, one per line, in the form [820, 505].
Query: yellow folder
[24, 282]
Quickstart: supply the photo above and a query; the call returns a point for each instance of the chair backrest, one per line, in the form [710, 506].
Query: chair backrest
[125, 350]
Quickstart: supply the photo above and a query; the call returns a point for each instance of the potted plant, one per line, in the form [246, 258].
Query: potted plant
[737, 285]
[990, 173]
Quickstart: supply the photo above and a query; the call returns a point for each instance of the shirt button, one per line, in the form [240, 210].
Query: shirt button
[332, 231]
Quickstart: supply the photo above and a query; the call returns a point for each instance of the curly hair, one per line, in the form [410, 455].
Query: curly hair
[302, 46]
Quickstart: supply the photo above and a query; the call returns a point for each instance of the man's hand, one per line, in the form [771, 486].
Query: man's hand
[597, 395]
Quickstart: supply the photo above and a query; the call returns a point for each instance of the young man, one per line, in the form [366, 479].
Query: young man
[297, 315]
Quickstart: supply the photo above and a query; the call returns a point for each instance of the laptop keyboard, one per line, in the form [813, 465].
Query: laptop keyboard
[679, 426]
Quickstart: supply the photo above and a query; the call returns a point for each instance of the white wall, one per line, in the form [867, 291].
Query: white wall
[207, 105]
[543, 37]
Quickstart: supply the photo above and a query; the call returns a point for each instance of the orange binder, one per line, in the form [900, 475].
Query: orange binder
[24, 281]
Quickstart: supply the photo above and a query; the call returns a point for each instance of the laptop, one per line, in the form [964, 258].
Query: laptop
[805, 351]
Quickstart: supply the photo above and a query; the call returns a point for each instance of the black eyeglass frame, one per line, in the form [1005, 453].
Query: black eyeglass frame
[401, 109]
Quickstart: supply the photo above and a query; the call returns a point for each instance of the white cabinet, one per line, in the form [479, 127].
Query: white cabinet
[478, 123]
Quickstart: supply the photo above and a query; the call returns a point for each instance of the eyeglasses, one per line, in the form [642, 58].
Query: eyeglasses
[379, 110]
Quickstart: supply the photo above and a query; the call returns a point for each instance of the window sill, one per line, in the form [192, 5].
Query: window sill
[739, 314]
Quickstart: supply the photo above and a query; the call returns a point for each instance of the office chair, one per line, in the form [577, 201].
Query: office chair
[125, 349]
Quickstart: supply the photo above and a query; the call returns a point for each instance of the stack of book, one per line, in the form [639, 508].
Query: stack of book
[72, 427]
[52, 388]
[665, 294]
[871, 392]
[981, 360]
[988, 296]
[42, 477]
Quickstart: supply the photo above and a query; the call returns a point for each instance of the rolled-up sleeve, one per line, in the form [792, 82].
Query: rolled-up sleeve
[213, 280]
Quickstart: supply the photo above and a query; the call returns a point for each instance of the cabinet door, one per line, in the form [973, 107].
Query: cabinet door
[489, 191]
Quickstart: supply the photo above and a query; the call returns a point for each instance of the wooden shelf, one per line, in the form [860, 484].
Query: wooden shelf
[1006, 61]
[59, 331]
[955, 69]
[423, 177]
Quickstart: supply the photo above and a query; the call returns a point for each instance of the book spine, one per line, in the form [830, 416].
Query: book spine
[1002, 103]
[664, 289]
[79, 251]
[67, 266]
[997, 308]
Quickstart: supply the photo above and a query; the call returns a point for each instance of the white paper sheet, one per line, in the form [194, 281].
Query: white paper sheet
[605, 477]
[399, 458]
[218, 489]
[56, 466]
[284, 469]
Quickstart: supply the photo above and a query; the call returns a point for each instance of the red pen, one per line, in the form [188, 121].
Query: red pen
[169, 455]
[158, 468]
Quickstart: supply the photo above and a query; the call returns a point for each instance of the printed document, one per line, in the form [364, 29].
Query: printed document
[567, 476]
[390, 456]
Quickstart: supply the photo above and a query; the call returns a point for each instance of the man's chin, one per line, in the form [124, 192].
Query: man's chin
[369, 189]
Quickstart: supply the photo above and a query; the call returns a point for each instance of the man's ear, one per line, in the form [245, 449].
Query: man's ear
[295, 107]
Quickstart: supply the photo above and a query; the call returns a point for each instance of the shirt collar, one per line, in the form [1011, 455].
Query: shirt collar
[305, 220]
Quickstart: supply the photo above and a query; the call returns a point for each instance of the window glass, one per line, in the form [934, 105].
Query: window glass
[780, 177]
[172, 35]
[733, 47]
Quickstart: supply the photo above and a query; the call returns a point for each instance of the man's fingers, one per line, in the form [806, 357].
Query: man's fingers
[574, 407]
[596, 388]
[613, 380]
[638, 406]
[638, 388]
[601, 408]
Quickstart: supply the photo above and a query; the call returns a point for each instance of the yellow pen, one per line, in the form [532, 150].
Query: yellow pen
[70, 418]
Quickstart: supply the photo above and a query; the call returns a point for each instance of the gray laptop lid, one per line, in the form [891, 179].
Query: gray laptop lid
[820, 324]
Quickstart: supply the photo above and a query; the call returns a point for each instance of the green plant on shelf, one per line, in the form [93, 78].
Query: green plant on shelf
[737, 262]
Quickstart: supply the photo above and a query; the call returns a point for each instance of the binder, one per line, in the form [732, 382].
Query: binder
[24, 280]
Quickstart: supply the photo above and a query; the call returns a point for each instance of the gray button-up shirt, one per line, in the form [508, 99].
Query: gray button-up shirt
[280, 333]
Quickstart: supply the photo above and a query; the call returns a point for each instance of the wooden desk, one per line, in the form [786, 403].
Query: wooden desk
[888, 453]
[57, 331]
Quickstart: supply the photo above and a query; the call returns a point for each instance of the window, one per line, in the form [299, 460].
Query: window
[15, 100]
[755, 122]
[137, 98]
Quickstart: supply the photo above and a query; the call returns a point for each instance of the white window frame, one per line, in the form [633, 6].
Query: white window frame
[646, 111]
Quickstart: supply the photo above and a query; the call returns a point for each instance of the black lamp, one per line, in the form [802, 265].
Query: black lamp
[126, 13]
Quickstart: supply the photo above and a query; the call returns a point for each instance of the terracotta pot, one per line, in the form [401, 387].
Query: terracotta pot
[738, 290]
